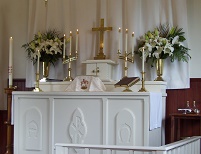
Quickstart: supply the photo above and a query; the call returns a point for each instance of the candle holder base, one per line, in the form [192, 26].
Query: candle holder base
[37, 89]
[69, 78]
[159, 78]
[143, 83]
[142, 90]
[127, 90]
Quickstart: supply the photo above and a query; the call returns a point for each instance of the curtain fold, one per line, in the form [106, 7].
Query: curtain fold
[137, 16]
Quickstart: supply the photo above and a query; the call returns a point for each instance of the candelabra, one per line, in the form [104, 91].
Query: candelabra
[127, 57]
[68, 60]
[143, 80]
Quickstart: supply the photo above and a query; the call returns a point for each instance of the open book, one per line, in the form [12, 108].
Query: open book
[127, 82]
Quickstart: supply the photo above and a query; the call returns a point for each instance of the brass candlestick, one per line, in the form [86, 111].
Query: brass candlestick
[69, 61]
[128, 57]
[37, 88]
[143, 85]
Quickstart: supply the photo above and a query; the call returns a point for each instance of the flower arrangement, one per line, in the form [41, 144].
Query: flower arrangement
[48, 44]
[163, 42]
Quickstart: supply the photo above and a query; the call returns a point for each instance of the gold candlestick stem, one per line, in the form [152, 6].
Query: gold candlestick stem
[127, 58]
[143, 83]
[37, 88]
[69, 78]
[69, 61]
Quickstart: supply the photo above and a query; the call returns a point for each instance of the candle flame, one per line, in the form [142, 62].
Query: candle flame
[133, 34]
[126, 30]
[119, 29]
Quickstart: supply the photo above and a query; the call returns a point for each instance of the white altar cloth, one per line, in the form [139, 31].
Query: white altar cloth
[155, 110]
[86, 83]
[151, 86]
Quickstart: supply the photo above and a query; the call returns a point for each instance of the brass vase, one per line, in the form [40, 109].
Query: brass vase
[46, 68]
[159, 70]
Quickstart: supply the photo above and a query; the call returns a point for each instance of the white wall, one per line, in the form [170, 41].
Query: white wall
[13, 22]
[194, 39]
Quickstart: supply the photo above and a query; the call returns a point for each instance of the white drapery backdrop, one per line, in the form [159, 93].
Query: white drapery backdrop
[137, 16]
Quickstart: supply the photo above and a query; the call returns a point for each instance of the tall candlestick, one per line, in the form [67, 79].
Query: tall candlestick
[132, 44]
[143, 59]
[70, 42]
[38, 62]
[119, 39]
[76, 47]
[126, 41]
[64, 47]
[10, 66]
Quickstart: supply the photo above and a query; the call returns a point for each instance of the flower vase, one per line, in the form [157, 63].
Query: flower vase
[159, 70]
[46, 67]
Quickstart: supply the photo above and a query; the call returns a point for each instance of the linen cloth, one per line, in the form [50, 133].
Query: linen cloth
[86, 83]
[155, 110]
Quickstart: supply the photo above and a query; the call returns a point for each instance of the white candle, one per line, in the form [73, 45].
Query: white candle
[38, 62]
[64, 47]
[70, 42]
[132, 44]
[126, 41]
[119, 39]
[10, 65]
[76, 47]
[143, 59]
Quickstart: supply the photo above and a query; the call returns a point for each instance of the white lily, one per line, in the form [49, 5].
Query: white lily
[168, 49]
[175, 40]
[148, 47]
[158, 52]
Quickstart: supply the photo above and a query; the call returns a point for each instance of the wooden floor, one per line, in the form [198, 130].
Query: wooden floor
[175, 99]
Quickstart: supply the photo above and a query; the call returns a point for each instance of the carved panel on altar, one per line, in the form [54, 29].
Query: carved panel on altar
[125, 127]
[77, 128]
[33, 125]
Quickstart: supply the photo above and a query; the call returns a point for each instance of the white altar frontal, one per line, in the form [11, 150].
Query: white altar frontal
[42, 119]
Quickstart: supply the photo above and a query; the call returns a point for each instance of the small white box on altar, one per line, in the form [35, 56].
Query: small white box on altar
[100, 68]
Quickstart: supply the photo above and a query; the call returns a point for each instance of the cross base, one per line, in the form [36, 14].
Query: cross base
[100, 56]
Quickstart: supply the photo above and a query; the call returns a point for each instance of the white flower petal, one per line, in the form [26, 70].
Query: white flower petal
[175, 40]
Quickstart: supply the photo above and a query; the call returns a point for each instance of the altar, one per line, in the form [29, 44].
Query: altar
[42, 119]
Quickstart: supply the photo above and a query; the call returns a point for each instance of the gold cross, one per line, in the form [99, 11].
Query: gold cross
[101, 29]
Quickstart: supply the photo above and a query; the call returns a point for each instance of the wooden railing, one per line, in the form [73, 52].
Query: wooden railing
[186, 146]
